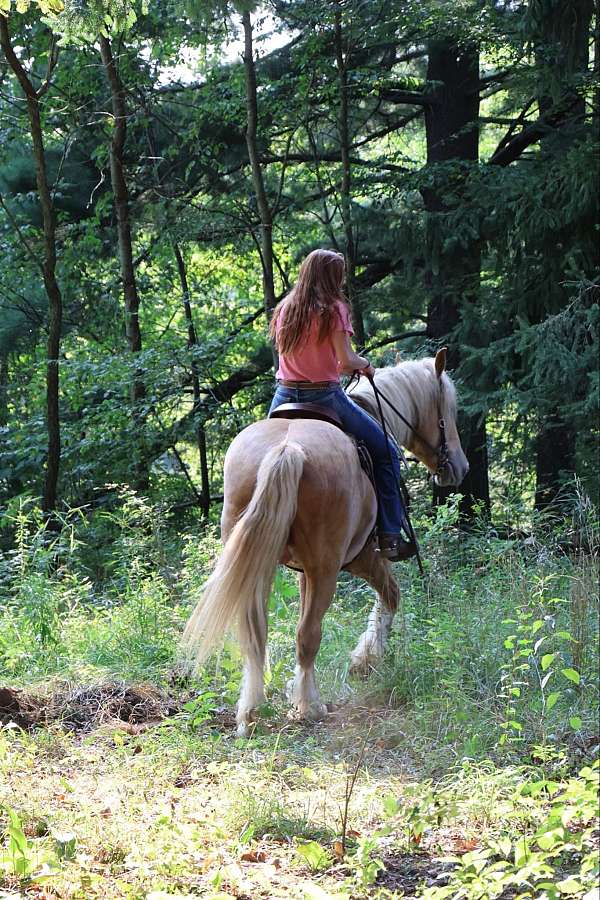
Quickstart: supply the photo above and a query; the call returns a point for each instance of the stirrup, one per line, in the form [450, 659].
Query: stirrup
[394, 548]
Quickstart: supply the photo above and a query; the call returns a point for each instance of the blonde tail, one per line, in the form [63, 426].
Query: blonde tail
[239, 586]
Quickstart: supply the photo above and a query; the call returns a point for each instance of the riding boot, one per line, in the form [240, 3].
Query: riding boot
[395, 548]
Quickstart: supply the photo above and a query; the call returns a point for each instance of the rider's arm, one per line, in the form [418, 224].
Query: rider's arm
[349, 360]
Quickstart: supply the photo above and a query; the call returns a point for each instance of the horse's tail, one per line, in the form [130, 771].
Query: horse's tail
[239, 586]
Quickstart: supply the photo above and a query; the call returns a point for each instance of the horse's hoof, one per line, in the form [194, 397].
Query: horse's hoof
[246, 722]
[314, 712]
[243, 729]
[317, 712]
[289, 689]
[363, 666]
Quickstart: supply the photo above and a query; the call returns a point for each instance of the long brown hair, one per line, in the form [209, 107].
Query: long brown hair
[319, 286]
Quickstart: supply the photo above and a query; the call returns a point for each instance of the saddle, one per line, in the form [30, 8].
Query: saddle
[306, 411]
[322, 414]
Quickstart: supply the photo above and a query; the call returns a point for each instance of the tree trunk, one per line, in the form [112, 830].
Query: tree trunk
[564, 41]
[453, 274]
[193, 342]
[264, 210]
[130, 292]
[555, 451]
[346, 185]
[48, 266]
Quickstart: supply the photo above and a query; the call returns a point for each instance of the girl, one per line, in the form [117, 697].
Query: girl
[311, 329]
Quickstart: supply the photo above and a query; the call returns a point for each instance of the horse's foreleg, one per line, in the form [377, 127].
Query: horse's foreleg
[372, 643]
[316, 594]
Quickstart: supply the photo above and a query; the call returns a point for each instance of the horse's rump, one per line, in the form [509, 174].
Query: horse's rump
[336, 504]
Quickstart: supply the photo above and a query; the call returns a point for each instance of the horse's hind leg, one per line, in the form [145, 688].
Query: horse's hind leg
[372, 643]
[316, 594]
[253, 640]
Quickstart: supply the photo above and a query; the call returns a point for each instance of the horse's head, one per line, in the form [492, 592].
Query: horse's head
[435, 441]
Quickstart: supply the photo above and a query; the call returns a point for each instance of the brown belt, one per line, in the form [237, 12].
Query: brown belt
[309, 385]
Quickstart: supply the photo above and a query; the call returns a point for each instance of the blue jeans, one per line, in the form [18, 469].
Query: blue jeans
[356, 421]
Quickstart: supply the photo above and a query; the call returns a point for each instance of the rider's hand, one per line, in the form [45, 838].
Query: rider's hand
[368, 370]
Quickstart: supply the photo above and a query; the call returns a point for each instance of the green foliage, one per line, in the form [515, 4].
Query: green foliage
[364, 862]
[488, 652]
[531, 663]
[528, 340]
[314, 855]
[19, 856]
[558, 859]
[200, 709]
[78, 20]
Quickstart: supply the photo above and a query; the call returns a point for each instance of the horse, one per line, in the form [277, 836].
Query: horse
[295, 493]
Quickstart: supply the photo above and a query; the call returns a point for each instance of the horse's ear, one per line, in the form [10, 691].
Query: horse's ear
[398, 359]
[440, 361]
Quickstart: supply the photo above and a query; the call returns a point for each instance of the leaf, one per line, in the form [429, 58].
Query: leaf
[505, 846]
[569, 886]
[572, 675]
[338, 849]
[549, 839]
[552, 698]
[522, 852]
[4, 6]
[575, 723]
[465, 845]
[390, 805]
[547, 660]
[313, 854]
[254, 856]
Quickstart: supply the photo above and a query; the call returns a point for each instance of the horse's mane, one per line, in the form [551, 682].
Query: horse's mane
[412, 387]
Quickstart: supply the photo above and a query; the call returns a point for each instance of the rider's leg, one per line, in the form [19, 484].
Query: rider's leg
[386, 461]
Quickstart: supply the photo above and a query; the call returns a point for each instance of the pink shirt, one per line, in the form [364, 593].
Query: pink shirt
[311, 360]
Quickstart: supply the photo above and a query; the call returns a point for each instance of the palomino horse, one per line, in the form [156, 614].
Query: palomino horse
[295, 493]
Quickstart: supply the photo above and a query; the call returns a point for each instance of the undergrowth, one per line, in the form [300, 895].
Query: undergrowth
[478, 732]
[494, 652]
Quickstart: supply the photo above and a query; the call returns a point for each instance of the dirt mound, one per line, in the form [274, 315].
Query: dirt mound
[85, 708]
[18, 707]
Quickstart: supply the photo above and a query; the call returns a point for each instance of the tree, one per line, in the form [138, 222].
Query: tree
[264, 209]
[561, 38]
[33, 97]
[452, 117]
[128, 277]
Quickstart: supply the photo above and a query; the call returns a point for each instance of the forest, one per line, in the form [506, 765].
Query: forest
[164, 169]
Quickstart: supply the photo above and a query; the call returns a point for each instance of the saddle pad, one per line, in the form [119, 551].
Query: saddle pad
[306, 411]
